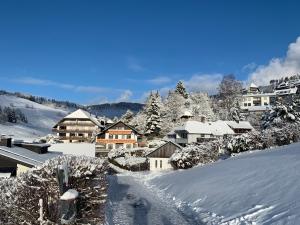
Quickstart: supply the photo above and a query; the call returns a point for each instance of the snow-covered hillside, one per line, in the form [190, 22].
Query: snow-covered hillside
[41, 118]
[261, 187]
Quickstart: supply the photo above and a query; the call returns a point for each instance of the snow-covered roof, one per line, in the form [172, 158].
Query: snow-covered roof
[239, 125]
[25, 156]
[216, 128]
[82, 114]
[79, 114]
[252, 85]
[77, 149]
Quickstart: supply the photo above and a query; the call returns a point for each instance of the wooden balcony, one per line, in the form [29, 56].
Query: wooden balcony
[110, 141]
[119, 131]
[72, 130]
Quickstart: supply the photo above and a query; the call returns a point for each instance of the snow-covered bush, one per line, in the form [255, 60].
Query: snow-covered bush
[245, 142]
[19, 196]
[195, 154]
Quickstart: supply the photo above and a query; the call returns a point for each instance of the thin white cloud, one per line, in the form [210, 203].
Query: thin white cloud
[125, 96]
[207, 83]
[42, 82]
[160, 80]
[249, 67]
[134, 65]
[278, 67]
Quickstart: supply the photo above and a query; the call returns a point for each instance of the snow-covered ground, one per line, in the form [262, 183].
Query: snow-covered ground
[130, 203]
[41, 118]
[260, 187]
[78, 149]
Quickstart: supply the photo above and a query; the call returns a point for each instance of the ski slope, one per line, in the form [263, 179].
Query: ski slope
[261, 187]
[41, 118]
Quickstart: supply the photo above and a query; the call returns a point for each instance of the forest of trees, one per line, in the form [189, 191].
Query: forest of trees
[12, 115]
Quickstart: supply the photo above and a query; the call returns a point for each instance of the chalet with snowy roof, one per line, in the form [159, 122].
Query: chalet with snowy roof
[78, 126]
[18, 158]
[195, 131]
[159, 159]
[117, 135]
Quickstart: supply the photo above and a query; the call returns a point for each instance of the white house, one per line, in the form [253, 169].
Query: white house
[195, 131]
[159, 159]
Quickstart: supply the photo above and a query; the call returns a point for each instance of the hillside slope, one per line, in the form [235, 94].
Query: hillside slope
[261, 187]
[41, 118]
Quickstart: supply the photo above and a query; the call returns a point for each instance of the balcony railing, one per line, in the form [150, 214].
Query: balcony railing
[73, 130]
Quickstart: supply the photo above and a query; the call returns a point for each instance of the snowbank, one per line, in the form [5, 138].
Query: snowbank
[261, 187]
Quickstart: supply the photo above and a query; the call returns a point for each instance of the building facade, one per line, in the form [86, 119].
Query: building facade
[79, 126]
[118, 135]
[159, 159]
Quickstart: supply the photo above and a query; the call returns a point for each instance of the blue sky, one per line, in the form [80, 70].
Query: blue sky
[98, 51]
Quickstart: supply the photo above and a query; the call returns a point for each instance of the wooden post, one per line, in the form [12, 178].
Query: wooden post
[41, 211]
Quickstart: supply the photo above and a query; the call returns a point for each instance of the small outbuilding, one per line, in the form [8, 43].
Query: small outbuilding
[159, 159]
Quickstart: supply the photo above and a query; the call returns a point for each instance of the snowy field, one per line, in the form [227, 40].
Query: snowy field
[78, 149]
[260, 187]
[41, 118]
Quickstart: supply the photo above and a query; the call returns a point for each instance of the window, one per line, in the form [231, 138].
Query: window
[72, 134]
[160, 163]
[128, 136]
[155, 163]
[265, 103]
[80, 135]
[116, 136]
[62, 134]
[245, 104]
[110, 136]
[249, 104]
[202, 135]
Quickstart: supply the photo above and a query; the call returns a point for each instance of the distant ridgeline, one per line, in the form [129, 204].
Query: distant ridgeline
[43, 100]
[112, 110]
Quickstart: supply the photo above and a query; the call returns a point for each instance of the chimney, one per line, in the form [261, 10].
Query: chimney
[5, 141]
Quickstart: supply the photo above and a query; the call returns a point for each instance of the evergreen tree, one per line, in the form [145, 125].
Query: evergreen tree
[153, 112]
[180, 89]
[128, 116]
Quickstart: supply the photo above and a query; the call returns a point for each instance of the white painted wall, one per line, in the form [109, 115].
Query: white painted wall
[162, 164]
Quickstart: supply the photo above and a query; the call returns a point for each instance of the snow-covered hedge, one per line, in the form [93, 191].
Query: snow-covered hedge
[195, 154]
[129, 159]
[19, 196]
[267, 138]
[248, 141]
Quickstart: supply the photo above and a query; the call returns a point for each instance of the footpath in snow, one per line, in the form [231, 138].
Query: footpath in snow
[132, 203]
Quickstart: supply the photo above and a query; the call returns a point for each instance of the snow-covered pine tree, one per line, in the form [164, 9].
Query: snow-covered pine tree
[200, 106]
[180, 89]
[128, 116]
[153, 112]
